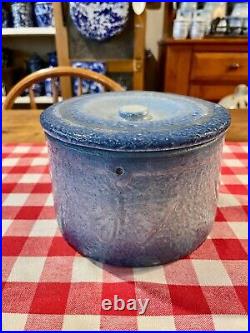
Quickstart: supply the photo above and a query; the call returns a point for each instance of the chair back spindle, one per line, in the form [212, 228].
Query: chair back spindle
[54, 73]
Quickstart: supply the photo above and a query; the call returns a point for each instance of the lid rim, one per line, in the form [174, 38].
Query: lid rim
[163, 137]
[156, 150]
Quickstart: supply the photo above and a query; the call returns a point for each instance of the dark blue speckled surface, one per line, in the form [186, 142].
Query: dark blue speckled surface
[173, 121]
[99, 20]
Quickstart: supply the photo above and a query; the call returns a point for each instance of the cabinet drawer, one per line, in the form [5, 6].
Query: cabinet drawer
[210, 92]
[211, 66]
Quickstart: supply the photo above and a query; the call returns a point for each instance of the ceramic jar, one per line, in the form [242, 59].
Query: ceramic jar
[198, 28]
[222, 26]
[22, 14]
[238, 100]
[181, 28]
[188, 6]
[235, 25]
[44, 14]
[52, 62]
[89, 86]
[4, 18]
[33, 64]
[99, 20]
[135, 174]
[245, 26]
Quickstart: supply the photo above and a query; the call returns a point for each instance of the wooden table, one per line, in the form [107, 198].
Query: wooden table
[238, 130]
[48, 286]
[23, 126]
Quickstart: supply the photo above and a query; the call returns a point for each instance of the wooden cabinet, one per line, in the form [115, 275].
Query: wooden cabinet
[207, 68]
[219, 66]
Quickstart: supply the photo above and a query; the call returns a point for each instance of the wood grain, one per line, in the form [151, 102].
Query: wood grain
[211, 92]
[238, 131]
[177, 70]
[169, 14]
[139, 49]
[196, 67]
[22, 126]
[114, 65]
[62, 48]
[219, 66]
[232, 42]
[42, 74]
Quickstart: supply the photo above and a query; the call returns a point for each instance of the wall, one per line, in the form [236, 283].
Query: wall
[154, 29]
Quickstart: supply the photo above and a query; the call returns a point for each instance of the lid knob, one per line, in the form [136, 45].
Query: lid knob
[133, 112]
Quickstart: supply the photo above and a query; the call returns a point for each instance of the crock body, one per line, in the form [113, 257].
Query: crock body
[135, 208]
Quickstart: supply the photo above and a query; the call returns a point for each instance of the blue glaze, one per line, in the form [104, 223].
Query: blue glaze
[4, 18]
[33, 64]
[173, 121]
[52, 62]
[44, 14]
[99, 20]
[22, 14]
[89, 86]
[135, 209]
[149, 202]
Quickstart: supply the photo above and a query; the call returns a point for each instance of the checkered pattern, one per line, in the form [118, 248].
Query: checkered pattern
[48, 286]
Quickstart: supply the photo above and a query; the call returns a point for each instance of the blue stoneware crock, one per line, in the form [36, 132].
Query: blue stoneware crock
[135, 174]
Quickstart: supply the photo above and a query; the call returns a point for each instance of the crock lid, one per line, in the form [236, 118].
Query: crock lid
[135, 121]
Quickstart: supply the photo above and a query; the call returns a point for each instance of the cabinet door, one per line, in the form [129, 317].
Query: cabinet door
[177, 69]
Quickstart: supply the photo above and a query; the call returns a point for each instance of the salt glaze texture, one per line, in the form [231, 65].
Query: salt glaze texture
[135, 209]
[166, 121]
[135, 174]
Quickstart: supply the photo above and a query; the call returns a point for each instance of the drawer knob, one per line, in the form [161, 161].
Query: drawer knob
[234, 65]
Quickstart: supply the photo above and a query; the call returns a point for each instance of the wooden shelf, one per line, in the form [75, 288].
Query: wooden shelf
[134, 65]
[207, 40]
[31, 31]
[39, 100]
[113, 65]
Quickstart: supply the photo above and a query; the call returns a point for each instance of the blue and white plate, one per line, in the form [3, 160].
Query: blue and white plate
[99, 20]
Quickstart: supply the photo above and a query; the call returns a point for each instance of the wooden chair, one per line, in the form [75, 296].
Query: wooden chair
[53, 73]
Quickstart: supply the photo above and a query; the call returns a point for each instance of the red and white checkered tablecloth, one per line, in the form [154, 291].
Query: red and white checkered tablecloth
[48, 286]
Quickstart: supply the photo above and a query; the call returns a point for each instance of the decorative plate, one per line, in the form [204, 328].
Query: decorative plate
[99, 20]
